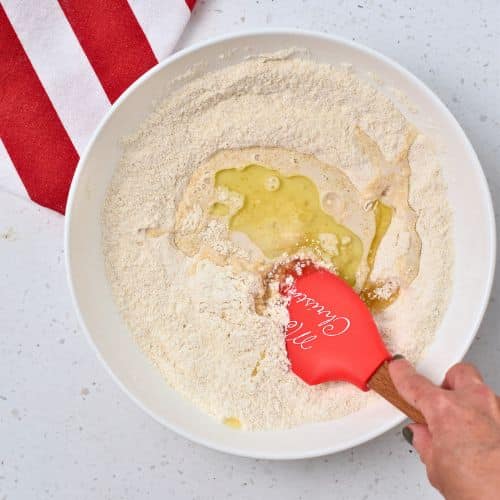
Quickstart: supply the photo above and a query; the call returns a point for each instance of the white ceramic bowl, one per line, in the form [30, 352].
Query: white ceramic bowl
[474, 235]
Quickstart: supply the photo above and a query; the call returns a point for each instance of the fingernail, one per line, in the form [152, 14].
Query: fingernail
[397, 356]
[408, 435]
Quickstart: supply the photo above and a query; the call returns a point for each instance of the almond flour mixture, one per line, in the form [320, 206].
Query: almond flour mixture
[187, 264]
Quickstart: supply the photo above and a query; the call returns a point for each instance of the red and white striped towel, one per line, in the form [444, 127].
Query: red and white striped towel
[62, 64]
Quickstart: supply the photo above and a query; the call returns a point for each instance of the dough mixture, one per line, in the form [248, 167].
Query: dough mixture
[251, 166]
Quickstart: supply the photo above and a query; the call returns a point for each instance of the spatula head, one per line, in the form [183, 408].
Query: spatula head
[331, 335]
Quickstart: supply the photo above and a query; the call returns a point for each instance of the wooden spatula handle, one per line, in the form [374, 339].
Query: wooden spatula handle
[381, 383]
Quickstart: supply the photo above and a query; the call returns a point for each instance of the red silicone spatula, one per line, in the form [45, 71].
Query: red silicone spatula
[331, 335]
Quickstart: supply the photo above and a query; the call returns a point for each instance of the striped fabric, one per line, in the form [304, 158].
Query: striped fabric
[62, 64]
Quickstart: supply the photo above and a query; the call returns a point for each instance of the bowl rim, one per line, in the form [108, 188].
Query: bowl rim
[488, 281]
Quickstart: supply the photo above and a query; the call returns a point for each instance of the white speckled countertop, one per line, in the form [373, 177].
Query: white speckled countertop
[67, 431]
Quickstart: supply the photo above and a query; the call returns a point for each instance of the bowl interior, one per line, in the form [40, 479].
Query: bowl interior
[474, 250]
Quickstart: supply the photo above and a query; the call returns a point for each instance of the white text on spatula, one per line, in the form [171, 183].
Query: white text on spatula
[329, 325]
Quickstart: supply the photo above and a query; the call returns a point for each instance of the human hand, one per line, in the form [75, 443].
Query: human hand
[460, 445]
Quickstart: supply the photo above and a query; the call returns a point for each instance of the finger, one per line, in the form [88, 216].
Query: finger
[415, 389]
[420, 438]
[461, 375]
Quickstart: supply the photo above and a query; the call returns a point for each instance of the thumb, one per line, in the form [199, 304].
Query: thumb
[420, 438]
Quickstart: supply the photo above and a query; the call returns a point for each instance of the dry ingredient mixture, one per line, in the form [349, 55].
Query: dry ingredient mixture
[254, 164]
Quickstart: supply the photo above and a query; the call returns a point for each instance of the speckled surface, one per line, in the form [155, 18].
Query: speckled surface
[67, 431]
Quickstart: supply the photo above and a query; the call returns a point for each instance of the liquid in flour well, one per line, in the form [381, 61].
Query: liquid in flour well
[378, 295]
[282, 215]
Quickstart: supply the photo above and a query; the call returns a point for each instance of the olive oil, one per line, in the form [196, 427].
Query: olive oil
[232, 422]
[283, 214]
[375, 301]
[383, 218]
[257, 365]
[219, 209]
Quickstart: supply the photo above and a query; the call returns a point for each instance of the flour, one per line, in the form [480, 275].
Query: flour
[194, 313]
